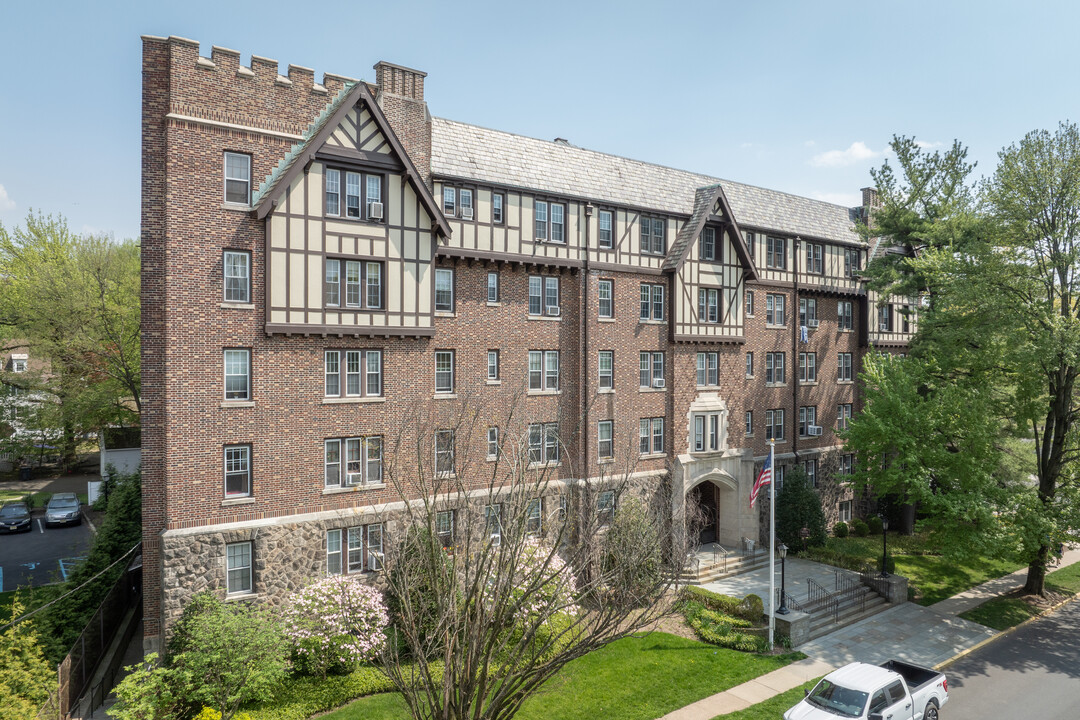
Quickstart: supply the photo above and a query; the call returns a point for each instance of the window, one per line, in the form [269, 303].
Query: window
[774, 424]
[651, 373]
[843, 416]
[604, 439]
[708, 305]
[543, 295]
[844, 314]
[237, 470]
[750, 364]
[449, 202]
[885, 318]
[852, 260]
[905, 315]
[362, 197]
[708, 244]
[652, 236]
[237, 272]
[562, 508]
[492, 443]
[362, 461]
[847, 464]
[750, 303]
[607, 379]
[333, 282]
[774, 310]
[652, 302]
[497, 200]
[651, 428]
[843, 369]
[350, 542]
[707, 371]
[540, 216]
[810, 467]
[444, 527]
[238, 565]
[774, 368]
[237, 178]
[237, 374]
[363, 284]
[749, 422]
[333, 552]
[707, 432]
[18, 365]
[550, 221]
[493, 287]
[362, 370]
[845, 511]
[605, 229]
[606, 308]
[444, 290]
[544, 370]
[807, 367]
[814, 258]
[444, 452]
[776, 253]
[605, 507]
[493, 522]
[808, 421]
[808, 312]
[534, 514]
[543, 443]
[444, 371]
[465, 204]
[493, 365]
[751, 240]
[779, 472]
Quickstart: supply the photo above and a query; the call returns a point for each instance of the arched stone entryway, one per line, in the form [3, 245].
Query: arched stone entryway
[715, 496]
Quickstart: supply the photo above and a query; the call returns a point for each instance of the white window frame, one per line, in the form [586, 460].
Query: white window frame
[493, 287]
[748, 299]
[605, 241]
[775, 252]
[814, 258]
[708, 244]
[498, 205]
[441, 275]
[808, 367]
[843, 415]
[807, 418]
[352, 373]
[605, 439]
[651, 436]
[240, 291]
[606, 376]
[844, 511]
[237, 179]
[845, 314]
[230, 358]
[493, 522]
[654, 240]
[449, 201]
[775, 309]
[808, 312]
[774, 419]
[444, 527]
[748, 421]
[240, 469]
[605, 304]
[775, 368]
[605, 507]
[492, 443]
[750, 364]
[445, 389]
[844, 371]
[445, 455]
[244, 572]
[534, 516]
[492, 364]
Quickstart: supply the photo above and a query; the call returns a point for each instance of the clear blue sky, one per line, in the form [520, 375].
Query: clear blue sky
[797, 96]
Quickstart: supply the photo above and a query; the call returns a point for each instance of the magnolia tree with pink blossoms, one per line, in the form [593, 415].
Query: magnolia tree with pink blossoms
[334, 624]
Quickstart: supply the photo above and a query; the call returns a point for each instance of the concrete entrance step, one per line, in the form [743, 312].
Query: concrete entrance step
[735, 565]
[824, 622]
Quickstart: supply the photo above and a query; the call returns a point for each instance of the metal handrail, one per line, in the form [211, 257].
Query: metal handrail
[821, 599]
[870, 578]
[719, 551]
[849, 588]
[792, 603]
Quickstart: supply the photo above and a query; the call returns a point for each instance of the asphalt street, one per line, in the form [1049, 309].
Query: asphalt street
[41, 556]
[1033, 672]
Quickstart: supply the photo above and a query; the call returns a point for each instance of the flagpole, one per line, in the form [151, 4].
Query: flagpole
[772, 543]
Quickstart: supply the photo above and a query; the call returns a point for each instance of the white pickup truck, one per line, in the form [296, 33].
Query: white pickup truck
[891, 691]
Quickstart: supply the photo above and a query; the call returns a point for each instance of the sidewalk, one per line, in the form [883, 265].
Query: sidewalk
[928, 636]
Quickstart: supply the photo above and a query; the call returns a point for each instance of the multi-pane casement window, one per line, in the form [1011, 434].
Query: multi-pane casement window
[444, 452]
[651, 436]
[808, 426]
[749, 422]
[707, 432]
[493, 287]
[493, 365]
[807, 367]
[652, 235]
[544, 370]
[774, 424]
[708, 305]
[843, 416]
[814, 255]
[444, 527]
[605, 302]
[444, 371]
[845, 511]
[810, 467]
[750, 364]
[774, 310]
[358, 282]
[493, 522]
[605, 507]
[707, 369]
[852, 261]
[750, 303]
[885, 318]
[604, 442]
[498, 200]
[844, 315]
[492, 443]
[238, 567]
[847, 464]
[708, 245]
[355, 549]
[606, 380]
[651, 370]
[349, 462]
[238, 374]
[543, 443]
[543, 295]
[843, 367]
[362, 371]
[458, 202]
[652, 302]
[237, 471]
[237, 272]
[775, 253]
[550, 221]
[808, 312]
[444, 290]
[362, 196]
[605, 229]
[237, 178]
[774, 368]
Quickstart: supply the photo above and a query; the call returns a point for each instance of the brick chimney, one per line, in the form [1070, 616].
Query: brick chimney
[401, 98]
[870, 198]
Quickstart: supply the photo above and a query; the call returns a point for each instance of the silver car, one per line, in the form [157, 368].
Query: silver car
[63, 509]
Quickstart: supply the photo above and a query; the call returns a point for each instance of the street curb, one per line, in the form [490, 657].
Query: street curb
[1050, 610]
[89, 522]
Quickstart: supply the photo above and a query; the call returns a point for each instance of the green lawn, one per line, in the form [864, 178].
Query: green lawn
[37, 499]
[632, 679]
[772, 708]
[1004, 613]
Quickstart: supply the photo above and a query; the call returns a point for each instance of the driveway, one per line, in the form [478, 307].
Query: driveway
[41, 556]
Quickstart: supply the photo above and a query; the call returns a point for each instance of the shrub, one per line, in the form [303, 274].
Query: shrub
[633, 558]
[147, 692]
[840, 530]
[798, 506]
[873, 525]
[718, 629]
[752, 607]
[334, 624]
[25, 676]
[861, 529]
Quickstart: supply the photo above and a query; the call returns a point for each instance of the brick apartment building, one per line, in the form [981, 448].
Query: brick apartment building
[325, 263]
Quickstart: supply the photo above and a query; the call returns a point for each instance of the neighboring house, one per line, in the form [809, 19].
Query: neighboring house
[119, 451]
[392, 260]
[18, 402]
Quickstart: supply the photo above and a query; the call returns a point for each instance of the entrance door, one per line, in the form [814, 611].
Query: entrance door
[704, 497]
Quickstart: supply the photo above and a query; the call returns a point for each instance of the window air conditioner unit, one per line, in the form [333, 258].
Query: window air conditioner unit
[375, 560]
[813, 322]
[814, 430]
[375, 210]
[552, 309]
[658, 382]
[466, 213]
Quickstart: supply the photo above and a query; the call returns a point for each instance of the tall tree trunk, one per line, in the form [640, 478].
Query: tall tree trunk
[1036, 577]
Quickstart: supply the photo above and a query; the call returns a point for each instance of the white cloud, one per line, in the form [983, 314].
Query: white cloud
[928, 145]
[858, 152]
[6, 203]
[839, 198]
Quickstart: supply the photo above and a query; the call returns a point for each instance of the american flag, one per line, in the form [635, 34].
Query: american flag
[764, 478]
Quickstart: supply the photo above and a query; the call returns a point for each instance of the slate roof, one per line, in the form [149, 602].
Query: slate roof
[465, 151]
[703, 202]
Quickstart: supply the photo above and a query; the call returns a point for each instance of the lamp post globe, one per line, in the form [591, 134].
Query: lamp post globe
[783, 609]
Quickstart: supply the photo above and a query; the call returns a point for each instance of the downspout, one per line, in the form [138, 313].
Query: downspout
[797, 330]
[583, 359]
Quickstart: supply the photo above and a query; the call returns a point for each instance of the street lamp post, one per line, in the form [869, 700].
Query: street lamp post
[783, 609]
[884, 547]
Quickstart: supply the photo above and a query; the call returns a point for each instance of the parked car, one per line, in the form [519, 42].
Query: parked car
[15, 517]
[893, 690]
[63, 509]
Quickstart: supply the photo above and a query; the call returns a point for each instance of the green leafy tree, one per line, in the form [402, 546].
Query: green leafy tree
[798, 506]
[146, 693]
[25, 675]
